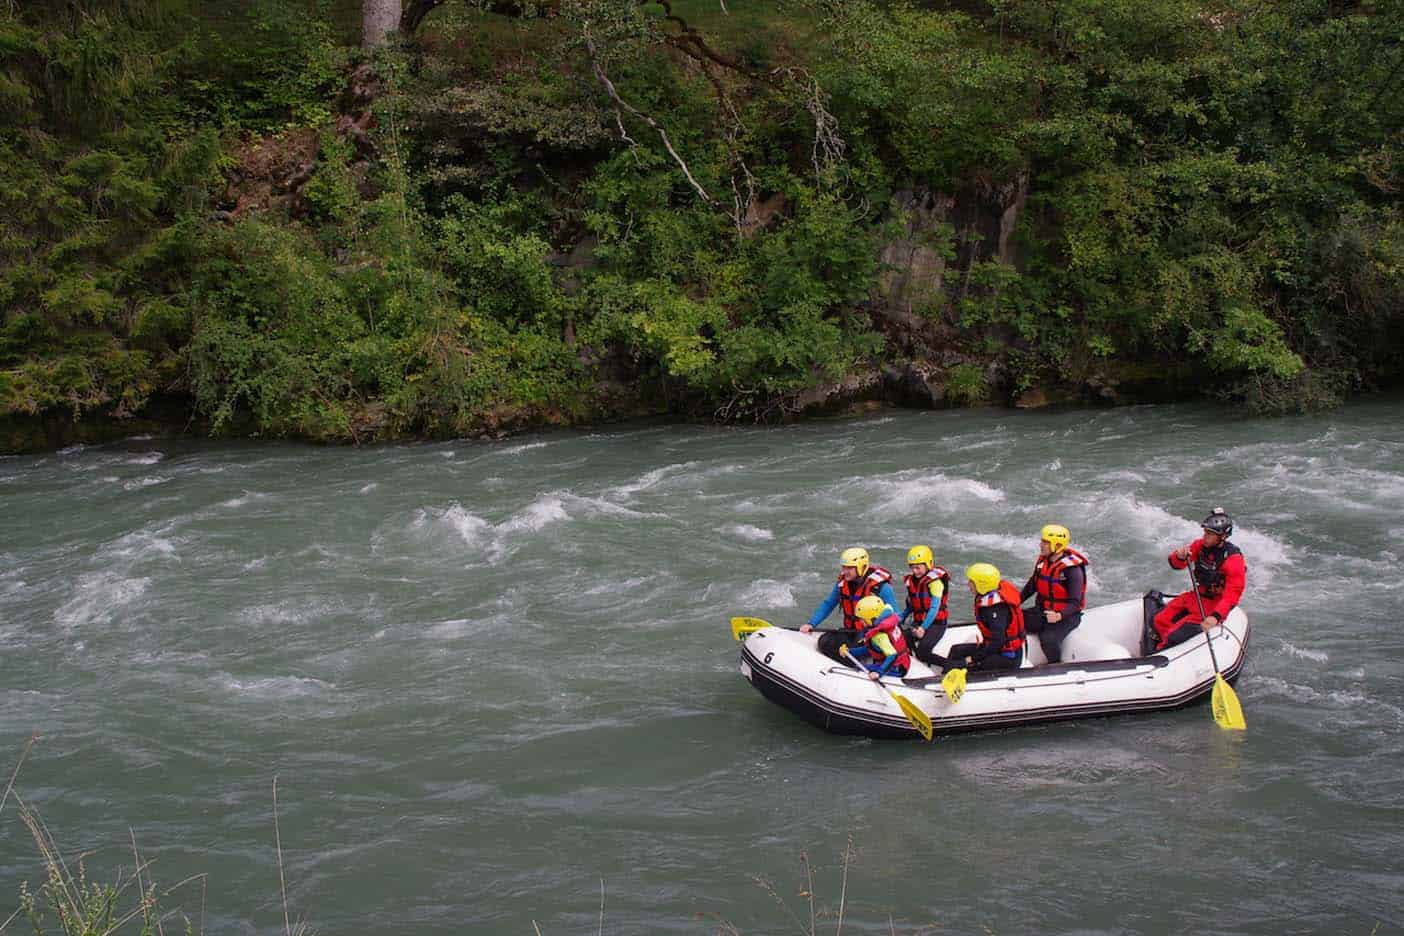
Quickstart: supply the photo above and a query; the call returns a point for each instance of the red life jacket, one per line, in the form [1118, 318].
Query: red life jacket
[851, 594]
[1007, 593]
[1208, 566]
[889, 623]
[1053, 586]
[919, 594]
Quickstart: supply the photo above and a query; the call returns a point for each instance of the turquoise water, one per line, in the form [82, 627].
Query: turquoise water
[491, 676]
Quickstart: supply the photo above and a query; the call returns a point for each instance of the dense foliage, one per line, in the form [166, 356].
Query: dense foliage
[599, 207]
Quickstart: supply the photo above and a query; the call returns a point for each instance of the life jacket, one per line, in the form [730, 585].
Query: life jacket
[890, 624]
[851, 594]
[1006, 593]
[919, 594]
[1049, 577]
[1208, 567]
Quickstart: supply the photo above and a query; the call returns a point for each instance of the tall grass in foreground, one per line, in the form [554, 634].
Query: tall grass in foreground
[70, 903]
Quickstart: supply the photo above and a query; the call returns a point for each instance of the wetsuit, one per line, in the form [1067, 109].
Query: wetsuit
[1001, 624]
[927, 607]
[876, 581]
[884, 646]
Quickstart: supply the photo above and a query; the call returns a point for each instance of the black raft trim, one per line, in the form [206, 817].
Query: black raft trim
[846, 720]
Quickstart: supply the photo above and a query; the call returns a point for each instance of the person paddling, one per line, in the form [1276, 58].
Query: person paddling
[1221, 573]
[884, 645]
[857, 580]
[928, 589]
[1059, 585]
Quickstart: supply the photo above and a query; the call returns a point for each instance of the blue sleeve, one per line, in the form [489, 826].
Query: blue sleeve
[886, 665]
[885, 593]
[931, 613]
[825, 608]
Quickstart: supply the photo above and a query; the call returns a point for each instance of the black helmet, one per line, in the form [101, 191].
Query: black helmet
[1218, 522]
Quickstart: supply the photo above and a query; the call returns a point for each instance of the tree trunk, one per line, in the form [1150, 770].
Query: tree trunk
[379, 18]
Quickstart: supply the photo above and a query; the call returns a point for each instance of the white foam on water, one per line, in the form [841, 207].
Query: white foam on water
[995, 542]
[72, 450]
[518, 449]
[763, 593]
[1264, 554]
[469, 527]
[1122, 477]
[98, 596]
[143, 483]
[594, 506]
[747, 532]
[243, 500]
[614, 587]
[1337, 698]
[537, 515]
[150, 458]
[495, 540]
[457, 628]
[285, 613]
[749, 506]
[273, 687]
[255, 564]
[367, 488]
[142, 544]
[1316, 656]
[912, 491]
[649, 479]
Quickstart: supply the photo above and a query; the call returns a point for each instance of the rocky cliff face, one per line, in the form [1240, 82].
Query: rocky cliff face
[924, 274]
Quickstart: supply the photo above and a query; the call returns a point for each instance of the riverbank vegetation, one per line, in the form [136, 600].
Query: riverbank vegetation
[271, 217]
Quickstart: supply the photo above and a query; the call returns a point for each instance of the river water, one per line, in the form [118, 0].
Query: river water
[495, 678]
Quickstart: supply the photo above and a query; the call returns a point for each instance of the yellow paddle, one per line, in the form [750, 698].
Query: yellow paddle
[743, 627]
[1224, 701]
[919, 719]
[954, 684]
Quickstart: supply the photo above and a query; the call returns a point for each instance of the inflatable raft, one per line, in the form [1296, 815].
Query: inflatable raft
[1102, 673]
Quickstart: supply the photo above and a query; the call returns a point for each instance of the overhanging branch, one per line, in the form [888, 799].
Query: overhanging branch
[621, 104]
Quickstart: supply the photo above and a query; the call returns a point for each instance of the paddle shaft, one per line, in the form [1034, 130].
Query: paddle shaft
[1194, 583]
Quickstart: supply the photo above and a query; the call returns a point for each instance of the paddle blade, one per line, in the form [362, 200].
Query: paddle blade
[743, 627]
[919, 719]
[954, 684]
[1227, 712]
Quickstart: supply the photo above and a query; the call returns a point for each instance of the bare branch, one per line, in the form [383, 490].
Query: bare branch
[828, 148]
[621, 104]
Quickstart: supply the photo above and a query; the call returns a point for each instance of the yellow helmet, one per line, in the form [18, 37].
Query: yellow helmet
[1055, 535]
[869, 607]
[983, 576]
[919, 554]
[857, 557]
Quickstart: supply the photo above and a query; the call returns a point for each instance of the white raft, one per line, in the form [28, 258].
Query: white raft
[1102, 673]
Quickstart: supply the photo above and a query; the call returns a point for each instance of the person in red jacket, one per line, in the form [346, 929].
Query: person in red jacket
[1220, 571]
